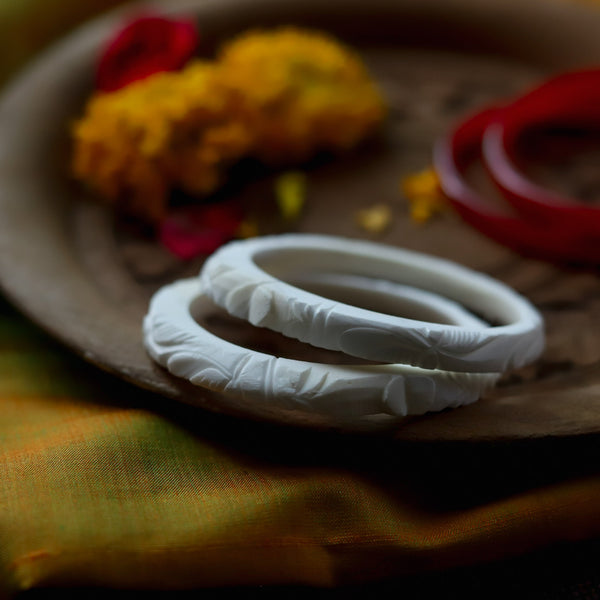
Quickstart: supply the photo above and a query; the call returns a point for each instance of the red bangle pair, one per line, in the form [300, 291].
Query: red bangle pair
[545, 225]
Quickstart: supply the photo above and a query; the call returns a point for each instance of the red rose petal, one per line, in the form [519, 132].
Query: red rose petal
[198, 230]
[147, 45]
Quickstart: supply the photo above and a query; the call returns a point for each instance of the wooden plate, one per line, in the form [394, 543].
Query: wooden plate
[71, 268]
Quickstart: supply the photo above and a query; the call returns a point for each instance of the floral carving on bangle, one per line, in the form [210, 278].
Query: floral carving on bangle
[235, 281]
[175, 340]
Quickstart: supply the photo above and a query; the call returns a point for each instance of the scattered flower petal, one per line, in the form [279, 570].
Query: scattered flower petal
[290, 191]
[197, 230]
[375, 219]
[147, 45]
[423, 192]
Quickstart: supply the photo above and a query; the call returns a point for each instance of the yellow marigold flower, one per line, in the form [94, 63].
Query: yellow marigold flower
[279, 96]
[174, 129]
[424, 194]
[301, 92]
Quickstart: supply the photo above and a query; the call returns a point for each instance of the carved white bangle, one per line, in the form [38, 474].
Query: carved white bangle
[246, 278]
[387, 297]
[178, 342]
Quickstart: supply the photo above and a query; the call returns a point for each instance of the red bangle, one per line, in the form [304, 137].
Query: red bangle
[572, 99]
[546, 241]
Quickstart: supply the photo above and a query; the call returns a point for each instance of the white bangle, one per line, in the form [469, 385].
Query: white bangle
[178, 342]
[388, 297]
[245, 278]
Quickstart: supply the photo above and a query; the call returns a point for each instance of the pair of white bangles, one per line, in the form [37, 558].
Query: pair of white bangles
[442, 356]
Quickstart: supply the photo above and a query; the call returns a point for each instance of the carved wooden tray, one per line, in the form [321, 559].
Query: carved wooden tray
[69, 266]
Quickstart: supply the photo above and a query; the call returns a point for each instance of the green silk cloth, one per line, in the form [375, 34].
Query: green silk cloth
[103, 484]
